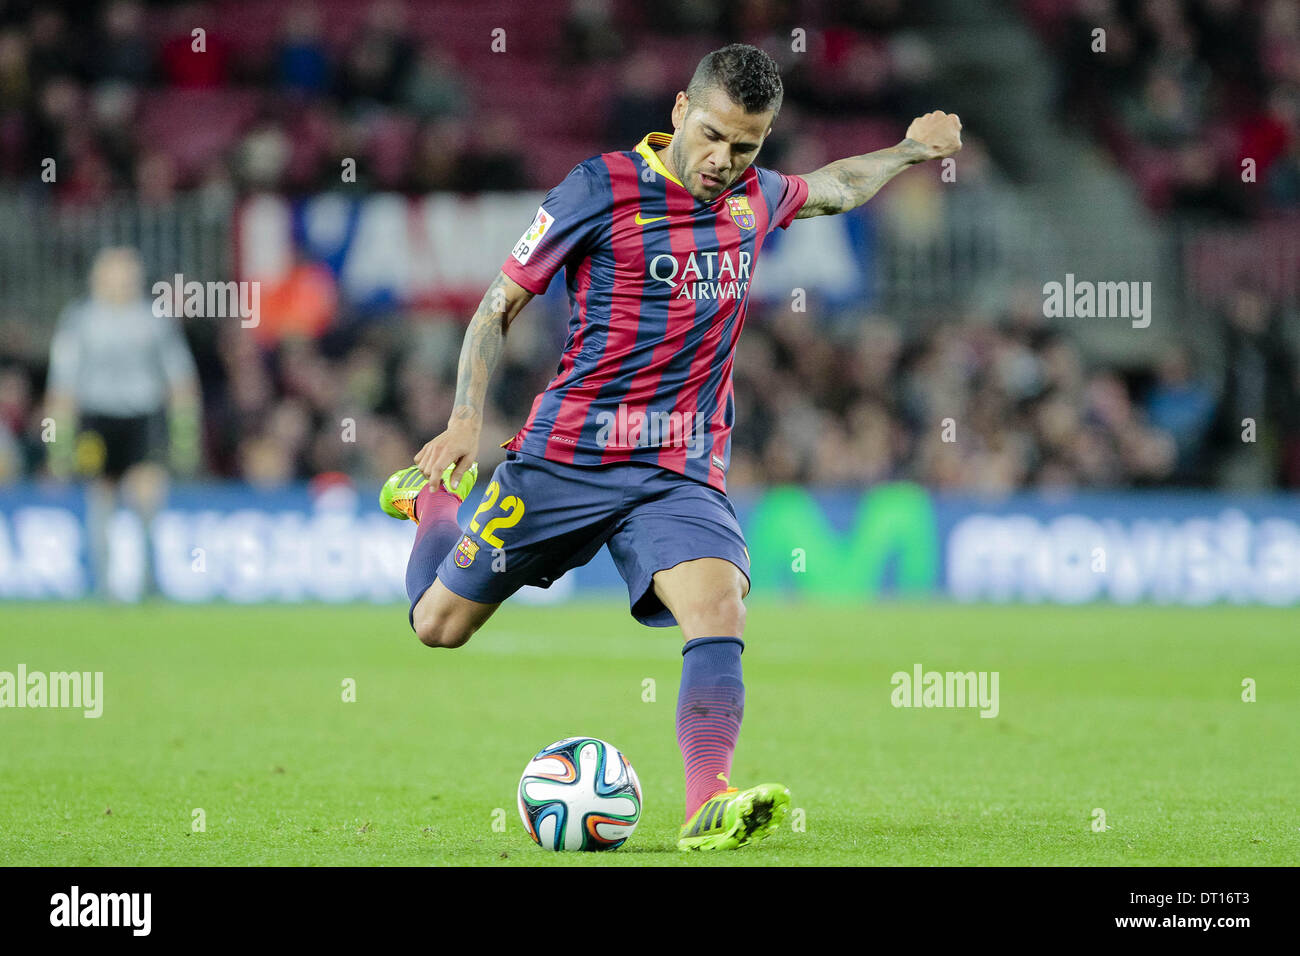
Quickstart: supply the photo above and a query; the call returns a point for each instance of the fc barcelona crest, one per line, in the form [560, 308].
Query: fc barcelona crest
[741, 214]
[465, 552]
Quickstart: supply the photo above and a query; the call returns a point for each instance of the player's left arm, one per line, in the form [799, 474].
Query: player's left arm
[847, 183]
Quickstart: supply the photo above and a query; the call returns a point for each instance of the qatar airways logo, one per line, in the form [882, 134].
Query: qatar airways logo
[626, 429]
[703, 275]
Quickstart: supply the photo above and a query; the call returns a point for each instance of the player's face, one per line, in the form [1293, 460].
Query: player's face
[116, 276]
[714, 142]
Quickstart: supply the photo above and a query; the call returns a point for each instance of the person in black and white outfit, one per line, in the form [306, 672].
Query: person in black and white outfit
[123, 393]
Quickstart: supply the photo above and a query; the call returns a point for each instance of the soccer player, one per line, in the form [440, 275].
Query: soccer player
[123, 382]
[627, 448]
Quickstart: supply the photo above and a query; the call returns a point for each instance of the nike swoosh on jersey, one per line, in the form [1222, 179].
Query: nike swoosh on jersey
[645, 222]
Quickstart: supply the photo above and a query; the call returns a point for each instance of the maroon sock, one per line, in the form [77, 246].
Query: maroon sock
[437, 533]
[710, 706]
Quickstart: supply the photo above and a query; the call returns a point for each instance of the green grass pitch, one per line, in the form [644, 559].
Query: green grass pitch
[240, 712]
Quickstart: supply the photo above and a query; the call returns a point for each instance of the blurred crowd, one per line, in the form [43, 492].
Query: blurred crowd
[288, 92]
[285, 93]
[961, 404]
[1185, 92]
[993, 406]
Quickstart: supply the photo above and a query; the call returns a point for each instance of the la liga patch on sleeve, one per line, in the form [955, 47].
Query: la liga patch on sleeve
[532, 236]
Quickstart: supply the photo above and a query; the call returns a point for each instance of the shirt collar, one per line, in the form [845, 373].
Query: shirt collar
[647, 147]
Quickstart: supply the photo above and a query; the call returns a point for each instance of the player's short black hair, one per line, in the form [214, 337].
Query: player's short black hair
[745, 73]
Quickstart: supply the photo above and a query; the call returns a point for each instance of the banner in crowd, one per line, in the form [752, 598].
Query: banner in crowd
[232, 543]
[442, 250]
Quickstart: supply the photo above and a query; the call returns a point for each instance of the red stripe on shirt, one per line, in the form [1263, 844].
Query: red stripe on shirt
[520, 275]
[624, 310]
[725, 386]
[682, 314]
[674, 459]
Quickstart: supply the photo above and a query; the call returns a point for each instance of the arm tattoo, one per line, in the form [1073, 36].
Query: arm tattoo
[847, 183]
[485, 340]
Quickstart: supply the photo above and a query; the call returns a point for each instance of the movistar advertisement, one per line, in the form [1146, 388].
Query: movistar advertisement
[233, 543]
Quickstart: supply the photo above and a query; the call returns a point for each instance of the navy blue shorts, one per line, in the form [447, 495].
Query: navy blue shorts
[539, 518]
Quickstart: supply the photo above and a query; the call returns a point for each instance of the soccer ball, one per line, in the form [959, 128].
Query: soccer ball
[579, 793]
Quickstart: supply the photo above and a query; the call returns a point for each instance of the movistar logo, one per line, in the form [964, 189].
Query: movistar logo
[642, 221]
[893, 537]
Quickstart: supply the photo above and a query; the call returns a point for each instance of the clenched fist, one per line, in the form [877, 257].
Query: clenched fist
[939, 132]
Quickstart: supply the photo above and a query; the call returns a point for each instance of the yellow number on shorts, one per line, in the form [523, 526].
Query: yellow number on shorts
[515, 507]
[489, 499]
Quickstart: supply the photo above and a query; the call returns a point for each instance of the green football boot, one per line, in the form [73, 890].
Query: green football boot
[734, 818]
[397, 497]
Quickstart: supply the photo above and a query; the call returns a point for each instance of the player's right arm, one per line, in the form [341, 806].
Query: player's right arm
[484, 342]
[568, 216]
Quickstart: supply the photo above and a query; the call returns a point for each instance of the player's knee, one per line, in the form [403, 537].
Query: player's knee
[439, 634]
[718, 616]
[733, 613]
[436, 630]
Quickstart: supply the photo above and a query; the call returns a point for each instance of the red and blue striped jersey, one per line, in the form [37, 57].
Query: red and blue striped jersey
[658, 283]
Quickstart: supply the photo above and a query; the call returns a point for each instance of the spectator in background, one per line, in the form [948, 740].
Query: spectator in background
[54, 50]
[433, 90]
[590, 34]
[1200, 188]
[264, 154]
[1259, 385]
[11, 459]
[856, 76]
[123, 394]
[1164, 112]
[15, 415]
[15, 78]
[1182, 406]
[493, 162]
[1284, 178]
[638, 103]
[1279, 46]
[55, 133]
[764, 23]
[112, 119]
[378, 63]
[302, 65]
[1228, 34]
[438, 147]
[1267, 135]
[677, 17]
[155, 179]
[186, 67]
[122, 54]
[1087, 80]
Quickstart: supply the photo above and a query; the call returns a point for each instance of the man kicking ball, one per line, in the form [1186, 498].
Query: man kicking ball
[627, 448]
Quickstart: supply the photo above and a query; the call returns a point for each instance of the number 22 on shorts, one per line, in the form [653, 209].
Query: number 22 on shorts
[512, 507]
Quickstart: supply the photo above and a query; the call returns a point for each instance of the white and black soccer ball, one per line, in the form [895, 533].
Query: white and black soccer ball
[579, 793]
